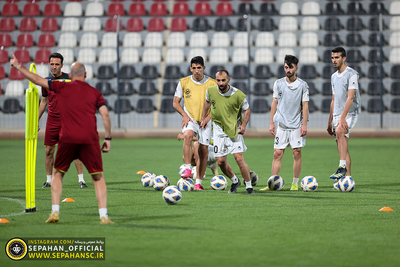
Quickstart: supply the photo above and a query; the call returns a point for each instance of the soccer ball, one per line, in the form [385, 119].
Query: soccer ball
[346, 184]
[275, 182]
[253, 178]
[219, 182]
[185, 184]
[160, 182]
[182, 169]
[309, 183]
[172, 195]
[147, 179]
[336, 184]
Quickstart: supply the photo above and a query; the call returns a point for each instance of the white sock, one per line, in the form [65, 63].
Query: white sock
[55, 208]
[295, 181]
[198, 181]
[234, 179]
[49, 178]
[342, 163]
[103, 213]
[248, 184]
[80, 176]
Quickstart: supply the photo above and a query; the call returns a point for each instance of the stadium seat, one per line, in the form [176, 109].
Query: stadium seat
[166, 106]
[332, 24]
[354, 39]
[200, 24]
[354, 56]
[92, 24]
[327, 71]
[137, 9]
[181, 9]
[394, 38]
[394, 23]
[326, 105]
[28, 25]
[86, 55]
[178, 25]
[147, 88]
[219, 55]
[105, 72]
[311, 89]
[145, 105]
[156, 25]
[311, 106]
[265, 39]
[158, 9]
[246, 9]
[94, 9]
[332, 40]
[134, 25]
[240, 39]
[240, 72]
[327, 89]
[268, 9]
[5, 40]
[333, 8]
[15, 88]
[24, 40]
[358, 69]
[15, 74]
[308, 72]
[10, 10]
[154, 39]
[395, 88]
[355, 24]
[111, 25]
[289, 8]
[242, 86]
[31, 9]
[197, 51]
[132, 39]
[169, 88]
[395, 105]
[7, 25]
[108, 56]
[11, 106]
[355, 8]
[126, 88]
[73, 9]
[263, 72]
[70, 25]
[68, 39]
[310, 23]
[224, 9]
[49, 25]
[52, 9]
[394, 8]
[127, 72]
[261, 89]
[42, 56]
[308, 56]
[260, 106]
[116, 9]
[214, 68]
[242, 25]
[220, 39]
[22, 55]
[266, 24]
[43, 70]
[375, 106]
[374, 88]
[374, 40]
[109, 39]
[2, 75]
[263, 55]
[223, 25]
[309, 39]
[202, 9]
[123, 105]
[104, 88]
[173, 72]
[288, 23]
[311, 8]
[394, 55]
[376, 8]
[3, 56]
[89, 72]
[151, 55]
[198, 39]
[374, 56]
[68, 55]
[240, 55]
[395, 72]
[176, 39]
[287, 39]
[149, 72]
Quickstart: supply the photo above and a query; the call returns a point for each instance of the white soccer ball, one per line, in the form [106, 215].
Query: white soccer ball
[346, 184]
[160, 182]
[219, 182]
[185, 184]
[336, 184]
[172, 195]
[275, 182]
[253, 178]
[309, 183]
[147, 179]
[182, 169]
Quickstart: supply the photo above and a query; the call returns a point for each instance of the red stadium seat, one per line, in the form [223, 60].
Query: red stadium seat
[15, 74]
[3, 56]
[156, 25]
[52, 9]
[49, 25]
[42, 56]
[5, 40]
[134, 25]
[31, 9]
[111, 25]
[202, 9]
[158, 9]
[2, 75]
[46, 40]
[7, 25]
[10, 9]
[12, 1]
[24, 40]
[28, 25]
[224, 9]
[181, 9]
[22, 55]
[178, 25]
[116, 9]
[137, 9]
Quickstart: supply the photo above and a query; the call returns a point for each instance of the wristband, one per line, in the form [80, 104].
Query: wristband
[17, 67]
[108, 138]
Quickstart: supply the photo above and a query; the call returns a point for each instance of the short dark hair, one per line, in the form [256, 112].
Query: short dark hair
[289, 60]
[57, 55]
[197, 60]
[223, 70]
[340, 50]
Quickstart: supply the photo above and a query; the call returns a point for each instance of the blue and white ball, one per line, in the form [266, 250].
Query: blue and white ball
[172, 195]
[185, 184]
[219, 182]
[160, 182]
[346, 184]
[147, 179]
[275, 182]
[182, 169]
[336, 184]
[253, 179]
[309, 183]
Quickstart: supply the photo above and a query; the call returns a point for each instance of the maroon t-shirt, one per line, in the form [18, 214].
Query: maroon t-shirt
[77, 104]
[52, 110]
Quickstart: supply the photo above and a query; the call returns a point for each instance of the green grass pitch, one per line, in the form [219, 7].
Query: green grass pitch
[214, 228]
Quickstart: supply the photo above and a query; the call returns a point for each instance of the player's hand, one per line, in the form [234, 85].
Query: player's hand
[343, 124]
[329, 129]
[241, 129]
[272, 128]
[185, 121]
[14, 61]
[204, 122]
[303, 130]
[106, 146]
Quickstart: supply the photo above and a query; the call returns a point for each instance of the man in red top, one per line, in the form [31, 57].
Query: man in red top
[77, 103]
[53, 124]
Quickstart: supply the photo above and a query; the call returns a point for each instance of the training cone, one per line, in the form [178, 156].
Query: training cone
[68, 200]
[141, 172]
[386, 209]
[2, 220]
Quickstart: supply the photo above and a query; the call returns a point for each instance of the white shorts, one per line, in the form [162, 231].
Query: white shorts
[203, 134]
[351, 120]
[224, 145]
[211, 155]
[284, 137]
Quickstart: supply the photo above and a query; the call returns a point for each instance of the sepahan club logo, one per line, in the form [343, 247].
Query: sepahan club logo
[16, 249]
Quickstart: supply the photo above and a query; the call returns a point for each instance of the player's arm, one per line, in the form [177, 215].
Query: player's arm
[43, 105]
[329, 129]
[33, 77]
[107, 127]
[303, 130]
[246, 117]
[350, 97]
[205, 116]
[274, 106]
